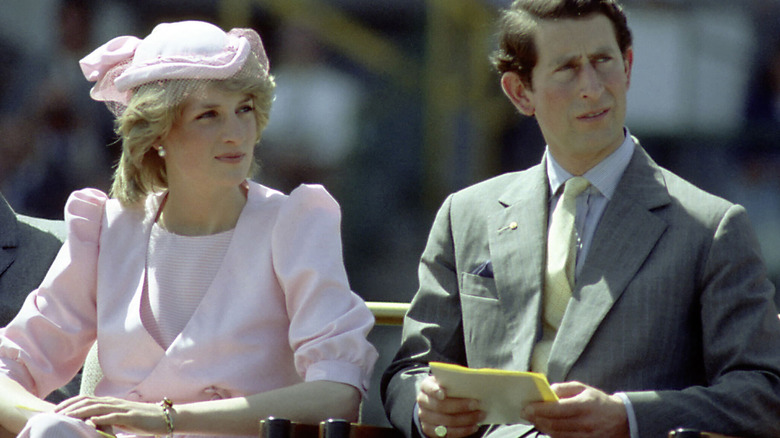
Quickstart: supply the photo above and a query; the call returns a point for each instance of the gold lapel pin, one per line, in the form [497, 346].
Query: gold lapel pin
[512, 226]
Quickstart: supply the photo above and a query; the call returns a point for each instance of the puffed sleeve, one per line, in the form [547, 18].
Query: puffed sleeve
[328, 322]
[44, 346]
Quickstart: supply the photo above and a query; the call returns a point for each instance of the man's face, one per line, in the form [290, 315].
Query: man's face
[579, 87]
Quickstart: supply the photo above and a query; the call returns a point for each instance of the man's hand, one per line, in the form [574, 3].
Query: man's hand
[459, 415]
[582, 411]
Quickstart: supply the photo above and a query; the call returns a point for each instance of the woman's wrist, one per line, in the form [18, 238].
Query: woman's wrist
[167, 412]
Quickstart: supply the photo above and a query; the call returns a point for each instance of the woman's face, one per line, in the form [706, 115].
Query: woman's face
[212, 144]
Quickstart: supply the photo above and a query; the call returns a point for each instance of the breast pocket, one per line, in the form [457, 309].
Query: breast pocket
[478, 286]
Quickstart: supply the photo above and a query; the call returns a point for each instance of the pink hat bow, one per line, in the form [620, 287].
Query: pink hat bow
[102, 60]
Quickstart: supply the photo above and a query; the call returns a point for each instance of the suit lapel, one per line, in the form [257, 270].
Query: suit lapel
[8, 235]
[517, 247]
[625, 237]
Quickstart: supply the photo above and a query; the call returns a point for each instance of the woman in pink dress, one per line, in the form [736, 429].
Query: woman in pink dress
[215, 301]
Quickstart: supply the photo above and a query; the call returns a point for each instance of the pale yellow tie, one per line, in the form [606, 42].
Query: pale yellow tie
[559, 272]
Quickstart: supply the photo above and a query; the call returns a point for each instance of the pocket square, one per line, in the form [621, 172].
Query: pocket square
[484, 270]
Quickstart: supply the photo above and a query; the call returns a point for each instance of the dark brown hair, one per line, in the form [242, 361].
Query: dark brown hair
[517, 26]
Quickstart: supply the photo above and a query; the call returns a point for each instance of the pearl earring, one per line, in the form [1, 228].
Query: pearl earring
[161, 151]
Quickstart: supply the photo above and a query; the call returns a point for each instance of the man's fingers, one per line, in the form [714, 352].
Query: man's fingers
[450, 431]
[430, 387]
[447, 405]
[459, 418]
[568, 389]
[573, 401]
[581, 411]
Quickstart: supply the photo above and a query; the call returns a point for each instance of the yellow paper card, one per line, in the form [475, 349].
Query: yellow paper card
[502, 394]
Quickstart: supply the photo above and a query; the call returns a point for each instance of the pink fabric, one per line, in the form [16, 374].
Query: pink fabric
[45, 344]
[120, 49]
[180, 270]
[279, 312]
[51, 425]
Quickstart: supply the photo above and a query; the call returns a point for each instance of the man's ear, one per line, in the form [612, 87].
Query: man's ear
[517, 92]
[628, 62]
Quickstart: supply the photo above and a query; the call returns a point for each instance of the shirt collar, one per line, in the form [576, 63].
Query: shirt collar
[604, 176]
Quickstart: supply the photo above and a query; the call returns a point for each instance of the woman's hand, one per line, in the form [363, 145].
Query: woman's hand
[106, 412]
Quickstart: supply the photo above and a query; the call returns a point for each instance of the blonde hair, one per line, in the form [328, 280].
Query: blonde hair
[151, 113]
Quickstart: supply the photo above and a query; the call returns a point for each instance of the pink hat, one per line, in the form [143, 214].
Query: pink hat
[182, 50]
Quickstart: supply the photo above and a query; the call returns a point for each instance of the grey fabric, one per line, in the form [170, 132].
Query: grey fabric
[672, 305]
[27, 248]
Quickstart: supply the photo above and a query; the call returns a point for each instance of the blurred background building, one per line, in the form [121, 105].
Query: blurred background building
[392, 104]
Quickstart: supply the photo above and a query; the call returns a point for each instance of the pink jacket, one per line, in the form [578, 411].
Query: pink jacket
[279, 311]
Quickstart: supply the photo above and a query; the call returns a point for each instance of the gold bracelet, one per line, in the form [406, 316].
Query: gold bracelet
[167, 407]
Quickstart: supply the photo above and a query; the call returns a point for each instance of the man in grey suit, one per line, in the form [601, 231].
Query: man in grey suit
[669, 320]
